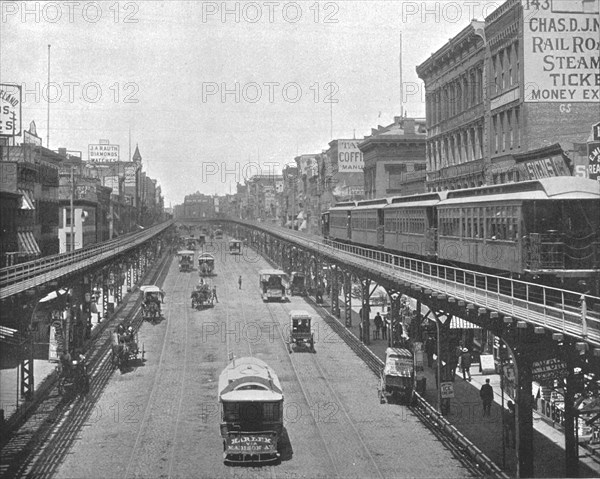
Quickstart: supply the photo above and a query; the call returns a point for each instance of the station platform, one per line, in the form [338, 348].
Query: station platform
[466, 415]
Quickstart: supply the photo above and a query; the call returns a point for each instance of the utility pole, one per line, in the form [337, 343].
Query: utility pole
[72, 212]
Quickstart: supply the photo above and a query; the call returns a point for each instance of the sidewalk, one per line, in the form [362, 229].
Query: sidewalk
[486, 433]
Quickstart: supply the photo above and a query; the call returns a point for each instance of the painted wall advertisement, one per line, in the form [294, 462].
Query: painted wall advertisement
[594, 160]
[103, 153]
[561, 50]
[10, 110]
[350, 158]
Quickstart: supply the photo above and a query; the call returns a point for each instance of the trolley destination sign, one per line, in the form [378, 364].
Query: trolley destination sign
[548, 369]
[251, 443]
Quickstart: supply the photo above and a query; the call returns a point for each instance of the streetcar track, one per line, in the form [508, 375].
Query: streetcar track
[149, 403]
[69, 415]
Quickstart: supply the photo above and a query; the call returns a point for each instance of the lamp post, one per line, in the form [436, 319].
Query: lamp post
[72, 210]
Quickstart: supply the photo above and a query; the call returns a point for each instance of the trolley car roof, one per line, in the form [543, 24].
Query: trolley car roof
[299, 314]
[185, 253]
[150, 289]
[249, 379]
[206, 256]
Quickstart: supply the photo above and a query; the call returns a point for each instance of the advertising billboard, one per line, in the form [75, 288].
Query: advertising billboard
[103, 153]
[10, 109]
[350, 158]
[561, 51]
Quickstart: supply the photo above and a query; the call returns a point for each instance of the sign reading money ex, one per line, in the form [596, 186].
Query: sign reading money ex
[103, 153]
[561, 51]
[10, 110]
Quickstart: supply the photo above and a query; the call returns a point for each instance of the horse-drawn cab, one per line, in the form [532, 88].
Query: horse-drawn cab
[297, 284]
[301, 331]
[397, 377]
[218, 234]
[152, 298]
[202, 296]
[202, 239]
[186, 258]
[72, 374]
[124, 346]
[206, 264]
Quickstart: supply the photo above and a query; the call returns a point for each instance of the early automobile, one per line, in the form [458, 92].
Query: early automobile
[398, 375]
[206, 264]
[186, 258]
[301, 333]
[297, 284]
[152, 298]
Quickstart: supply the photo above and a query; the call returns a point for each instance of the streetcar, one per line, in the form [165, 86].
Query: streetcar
[251, 407]
[273, 284]
[297, 284]
[206, 264]
[398, 376]
[218, 233]
[301, 334]
[235, 246]
[186, 258]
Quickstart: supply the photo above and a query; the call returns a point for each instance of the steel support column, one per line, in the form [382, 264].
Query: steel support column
[334, 290]
[348, 298]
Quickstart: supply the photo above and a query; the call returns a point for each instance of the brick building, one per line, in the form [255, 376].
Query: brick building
[498, 90]
[394, 159]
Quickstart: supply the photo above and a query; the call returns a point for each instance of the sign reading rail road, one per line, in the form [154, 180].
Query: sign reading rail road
[548, 369]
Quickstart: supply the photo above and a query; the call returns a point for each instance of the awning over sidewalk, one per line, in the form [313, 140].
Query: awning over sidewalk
[26, 201]
[28, 244]
[459, 323]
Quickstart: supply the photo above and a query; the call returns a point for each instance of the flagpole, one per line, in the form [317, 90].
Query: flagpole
[401, 86]
[48, 104]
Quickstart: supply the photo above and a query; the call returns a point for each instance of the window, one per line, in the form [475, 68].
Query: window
[495, 133]
[501, 124]
[67, 216]
[69, 243]
[517, 129]
[509, 115]
[509, 60]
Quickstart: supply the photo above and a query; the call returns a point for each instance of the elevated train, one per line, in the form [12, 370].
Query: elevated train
[546, 230]
[251, 403]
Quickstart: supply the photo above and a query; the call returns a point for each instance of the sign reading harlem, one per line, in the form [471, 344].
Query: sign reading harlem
[561, 50]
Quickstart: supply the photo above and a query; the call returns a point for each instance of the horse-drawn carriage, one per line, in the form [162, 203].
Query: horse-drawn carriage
[202, 296]
[398, 375]
[124, 347]
[301, 332]
[190, 243]
[72, 374]
[206, 264]
[152, 298]
[297, 284]
[186, 259]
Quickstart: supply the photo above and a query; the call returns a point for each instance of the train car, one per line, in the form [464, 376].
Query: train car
[274, 285]
[340, 228]
[411, 224]
[367, 222]
[325, 225]
[251, 404]
[542, 227]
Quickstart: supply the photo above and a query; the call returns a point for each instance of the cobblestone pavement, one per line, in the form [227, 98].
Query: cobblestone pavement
[160, 419]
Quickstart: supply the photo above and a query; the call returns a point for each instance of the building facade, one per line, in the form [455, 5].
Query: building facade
[509, 85]
[394, 158]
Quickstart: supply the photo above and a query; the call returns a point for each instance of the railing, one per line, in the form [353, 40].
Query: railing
[559, 310]
[17, 278]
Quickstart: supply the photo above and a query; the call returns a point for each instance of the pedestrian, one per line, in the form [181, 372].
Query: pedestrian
[240, 281]
[509, 425]
[384, 328]
[214, 292]
[486, 393]
[378, 324]
[465, 364]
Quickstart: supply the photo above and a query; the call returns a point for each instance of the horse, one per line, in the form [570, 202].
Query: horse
[120, 351]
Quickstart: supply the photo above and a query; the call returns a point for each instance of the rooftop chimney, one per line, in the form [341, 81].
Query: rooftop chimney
[62, 152]
[409, 126]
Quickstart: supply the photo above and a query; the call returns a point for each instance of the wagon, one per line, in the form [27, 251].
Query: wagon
[185, 260]
[301, 333]
[202, 296]
[125, 348]
[152, 297]
[74, 378]
[397, 377]
[206, 264]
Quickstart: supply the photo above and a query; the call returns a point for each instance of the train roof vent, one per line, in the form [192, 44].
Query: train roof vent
[411, 198]
[518, 187]
[377, 201]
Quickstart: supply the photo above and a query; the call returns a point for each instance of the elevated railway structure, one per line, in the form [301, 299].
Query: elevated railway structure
[68, 282]
[537, 324]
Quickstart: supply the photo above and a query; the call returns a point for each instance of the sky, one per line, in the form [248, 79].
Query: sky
[214, 92]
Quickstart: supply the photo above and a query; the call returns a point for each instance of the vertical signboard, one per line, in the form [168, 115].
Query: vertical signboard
[561, 51]
[10, 110]
[350, 158]
[594, 160]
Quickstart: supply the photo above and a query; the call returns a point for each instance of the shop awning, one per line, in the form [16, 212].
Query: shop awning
[26, 201]
[459, 323]
[27, 244]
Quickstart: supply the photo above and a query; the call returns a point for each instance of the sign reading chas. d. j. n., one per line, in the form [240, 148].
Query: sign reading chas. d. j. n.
[561, 50]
